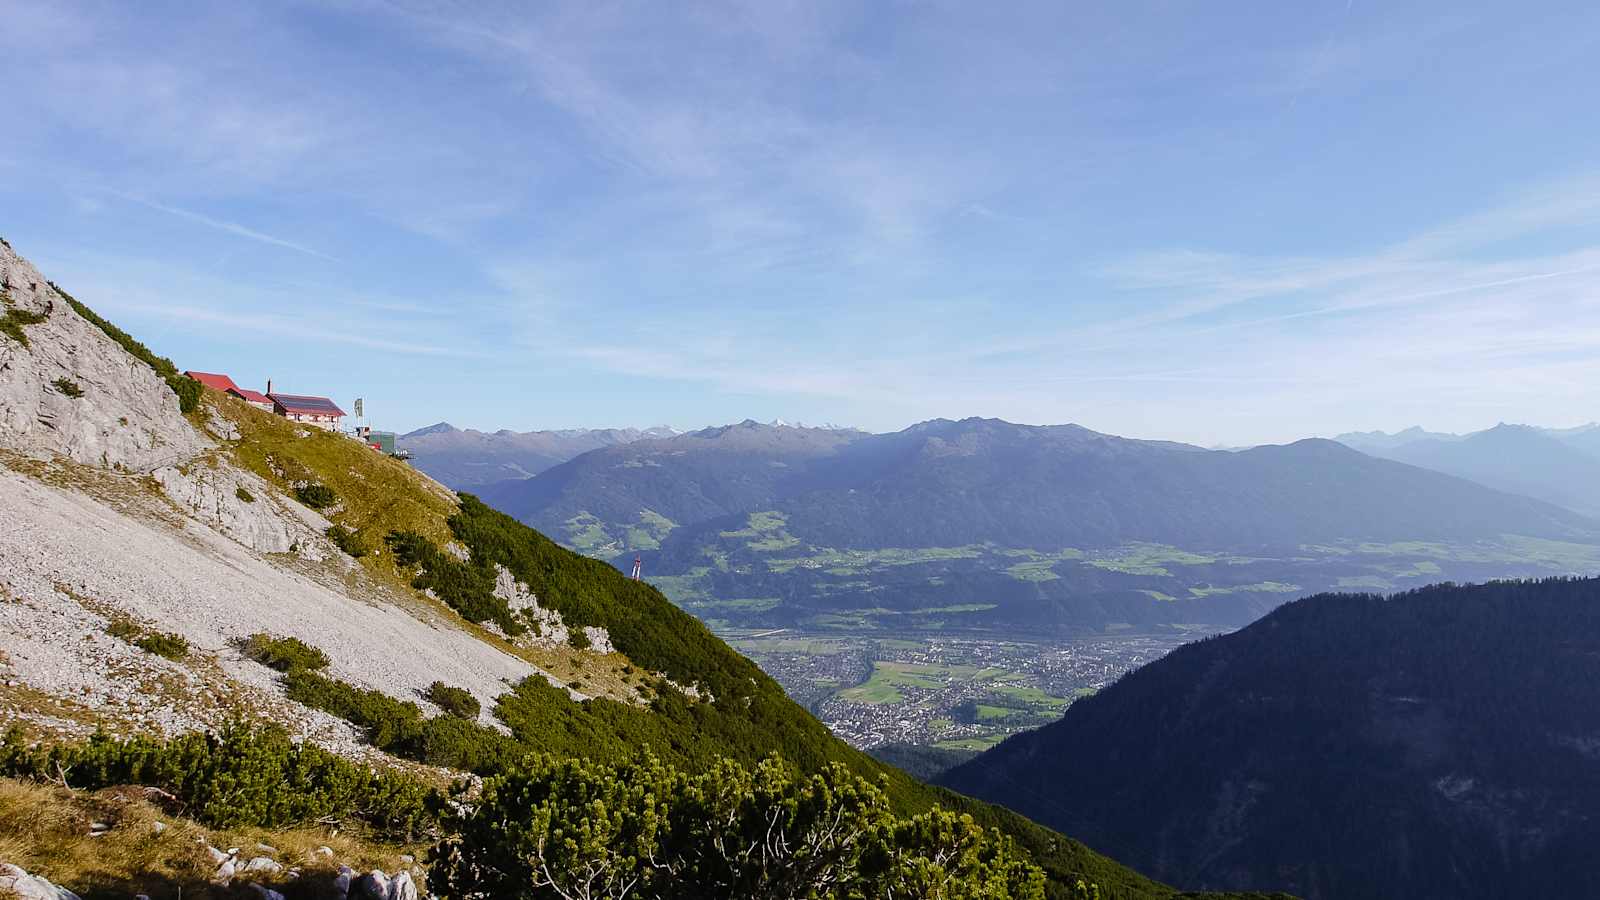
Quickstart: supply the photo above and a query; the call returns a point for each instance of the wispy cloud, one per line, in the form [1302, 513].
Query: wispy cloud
[233, 228]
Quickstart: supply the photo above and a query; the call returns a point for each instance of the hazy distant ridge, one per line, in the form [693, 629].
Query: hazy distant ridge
[464, 458]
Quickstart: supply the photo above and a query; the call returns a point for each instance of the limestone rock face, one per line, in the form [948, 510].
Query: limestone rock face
[264, 522]
[599, 639]
[126, 417]
[548, 629]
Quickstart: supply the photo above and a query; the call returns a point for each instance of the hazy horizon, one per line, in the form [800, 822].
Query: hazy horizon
[1226, 225]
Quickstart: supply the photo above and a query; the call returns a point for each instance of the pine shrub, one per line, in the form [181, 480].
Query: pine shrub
[243, 776]
[286, 654]
[316, 496]
[347, 540]
[170, 646]
[455, 701]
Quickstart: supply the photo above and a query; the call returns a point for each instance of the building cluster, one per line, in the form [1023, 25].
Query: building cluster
[319, 412]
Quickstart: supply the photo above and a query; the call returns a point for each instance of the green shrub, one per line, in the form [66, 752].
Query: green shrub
[286, 654]
[188, 391]
[390, 723]
[244, 495]
[171, 646]
[455, 701]
[68, 387]
[466, 587]
[551, 827]
[243, 776]
[316, 496]
[577, 638]
[347, 540]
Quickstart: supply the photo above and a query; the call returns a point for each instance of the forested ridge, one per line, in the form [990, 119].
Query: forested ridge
[1437, 743]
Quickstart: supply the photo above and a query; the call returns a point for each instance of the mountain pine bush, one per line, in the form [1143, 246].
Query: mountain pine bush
[566, 828]
[242, 776]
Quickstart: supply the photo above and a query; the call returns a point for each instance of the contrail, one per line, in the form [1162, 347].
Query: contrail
[229, 227]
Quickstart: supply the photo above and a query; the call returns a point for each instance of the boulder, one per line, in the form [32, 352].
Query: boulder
[402, 887]
[372, 886]
[15, 880]
[226, 871]
[262, 864]
[217, 856]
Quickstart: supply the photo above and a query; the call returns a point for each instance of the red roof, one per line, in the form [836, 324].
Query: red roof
[210, 380]
[250, 396]
[304, 405]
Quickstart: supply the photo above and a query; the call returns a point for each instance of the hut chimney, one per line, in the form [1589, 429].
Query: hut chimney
[269, 387]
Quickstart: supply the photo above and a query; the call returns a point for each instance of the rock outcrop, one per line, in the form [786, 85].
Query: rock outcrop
[71, 392]
[242, 506]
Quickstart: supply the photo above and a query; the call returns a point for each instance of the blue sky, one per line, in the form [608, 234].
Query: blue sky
[1223, 223]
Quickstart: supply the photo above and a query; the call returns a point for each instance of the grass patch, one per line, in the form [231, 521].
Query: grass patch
[14, 320]
[43, 830]
[1149, 559]
[587, 534]
[168, 646]
[244, 495]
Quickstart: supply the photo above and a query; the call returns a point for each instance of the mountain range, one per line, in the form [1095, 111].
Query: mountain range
[465, 458]
[1442, 743]
[982, 523]
[1561, 466]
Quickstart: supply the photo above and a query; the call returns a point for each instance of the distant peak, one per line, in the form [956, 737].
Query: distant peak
[435, 428]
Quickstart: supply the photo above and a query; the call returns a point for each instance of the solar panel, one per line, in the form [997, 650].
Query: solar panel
[299, 403]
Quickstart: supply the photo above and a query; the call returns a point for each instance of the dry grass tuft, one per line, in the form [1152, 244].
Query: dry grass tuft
[45, 830]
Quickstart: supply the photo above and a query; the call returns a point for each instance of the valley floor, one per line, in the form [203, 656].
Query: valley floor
[954, 693]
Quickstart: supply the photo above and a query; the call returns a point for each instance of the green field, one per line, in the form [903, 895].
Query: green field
[1149, 559]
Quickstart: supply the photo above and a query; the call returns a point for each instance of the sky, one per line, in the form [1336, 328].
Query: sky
[1225, 223]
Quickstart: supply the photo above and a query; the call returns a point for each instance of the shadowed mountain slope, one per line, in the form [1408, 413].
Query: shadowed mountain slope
[1436, 744]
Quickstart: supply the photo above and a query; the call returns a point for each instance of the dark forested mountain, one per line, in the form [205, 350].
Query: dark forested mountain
[982, 524]
[467, 458]
[945, 483]
[1443, 743]
[652, 486]
[1561, 467]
